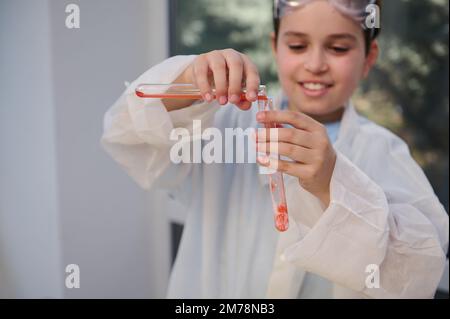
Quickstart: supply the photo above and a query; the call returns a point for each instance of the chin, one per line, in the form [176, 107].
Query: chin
[316, 108]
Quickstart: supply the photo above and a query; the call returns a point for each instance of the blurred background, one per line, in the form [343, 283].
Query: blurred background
[63, 201]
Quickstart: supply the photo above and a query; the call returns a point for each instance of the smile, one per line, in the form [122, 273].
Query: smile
[315, 89]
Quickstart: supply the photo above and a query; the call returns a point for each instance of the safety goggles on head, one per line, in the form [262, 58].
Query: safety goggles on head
[355, 9]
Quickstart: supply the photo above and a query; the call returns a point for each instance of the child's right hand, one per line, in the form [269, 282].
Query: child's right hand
[228, 71]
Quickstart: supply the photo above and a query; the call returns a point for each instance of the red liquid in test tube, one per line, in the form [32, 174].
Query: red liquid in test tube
[276, 181]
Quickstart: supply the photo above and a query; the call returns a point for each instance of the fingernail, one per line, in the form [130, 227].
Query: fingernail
[208, 97]
[252, 95]
[233, 98]
[223, 100]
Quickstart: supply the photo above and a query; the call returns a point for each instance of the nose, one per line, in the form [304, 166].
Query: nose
[315, 61]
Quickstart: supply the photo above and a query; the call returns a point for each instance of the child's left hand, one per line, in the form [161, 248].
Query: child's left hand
[307, 144]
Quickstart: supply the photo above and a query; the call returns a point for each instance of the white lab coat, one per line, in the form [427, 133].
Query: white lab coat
[383, 210]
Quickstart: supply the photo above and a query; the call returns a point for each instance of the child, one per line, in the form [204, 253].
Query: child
[364, 221]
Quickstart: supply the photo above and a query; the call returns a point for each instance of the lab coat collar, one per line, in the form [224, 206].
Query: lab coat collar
[349, 128]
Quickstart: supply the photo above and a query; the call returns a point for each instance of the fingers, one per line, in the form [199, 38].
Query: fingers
[296, 119]
[252, 79]
[287, 135]
[218, 66]
[226, 70]
[235, 66]
[296, 153]
[290, 168]
[200, 74]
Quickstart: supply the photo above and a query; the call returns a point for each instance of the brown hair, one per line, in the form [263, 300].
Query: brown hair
[369, 34]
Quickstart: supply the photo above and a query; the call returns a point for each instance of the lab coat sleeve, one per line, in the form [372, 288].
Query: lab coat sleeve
[395, 230]
[137, 132]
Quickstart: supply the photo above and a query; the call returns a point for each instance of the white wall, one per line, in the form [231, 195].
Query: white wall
[62, 199]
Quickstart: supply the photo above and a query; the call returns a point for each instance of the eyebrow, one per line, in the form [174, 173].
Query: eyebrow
[336, 36]
[347, 36]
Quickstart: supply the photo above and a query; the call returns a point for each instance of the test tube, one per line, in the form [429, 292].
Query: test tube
[189, 91]
[184, 91]
[276, 181]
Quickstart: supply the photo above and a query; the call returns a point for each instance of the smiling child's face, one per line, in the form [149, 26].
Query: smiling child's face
[321, 59]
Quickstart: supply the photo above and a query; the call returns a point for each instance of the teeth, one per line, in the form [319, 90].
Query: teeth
[314, 86]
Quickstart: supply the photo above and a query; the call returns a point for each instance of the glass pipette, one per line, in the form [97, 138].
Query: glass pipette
[183, 91]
